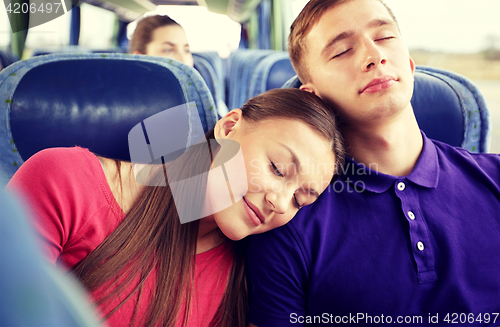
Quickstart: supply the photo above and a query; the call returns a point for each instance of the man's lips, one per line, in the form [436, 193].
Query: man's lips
[379, 84]
[253, 212]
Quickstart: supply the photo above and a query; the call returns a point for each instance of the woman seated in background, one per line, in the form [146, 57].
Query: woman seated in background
[161, 36]
[125, 241]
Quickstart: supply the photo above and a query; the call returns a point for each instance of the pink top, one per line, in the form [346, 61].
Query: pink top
[75, 211]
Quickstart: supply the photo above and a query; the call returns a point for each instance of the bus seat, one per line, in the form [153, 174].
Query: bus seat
[448, 108]
[73, 49]
[215, 60]
[76, 49]
[242, 63]
[33, 291]
[7, 58]
[214, 81]
[90, 100]
[219, 66]
[109, 50]
[271, 73]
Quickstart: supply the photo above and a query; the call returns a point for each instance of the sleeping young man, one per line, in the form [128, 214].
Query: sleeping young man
[410, 235]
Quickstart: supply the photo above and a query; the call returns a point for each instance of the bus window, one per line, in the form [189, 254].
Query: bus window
[4, 29]
[51, 35]
[97, 26]
[297, 6]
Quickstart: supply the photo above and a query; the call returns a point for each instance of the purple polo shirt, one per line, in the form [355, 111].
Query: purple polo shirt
[420, 250]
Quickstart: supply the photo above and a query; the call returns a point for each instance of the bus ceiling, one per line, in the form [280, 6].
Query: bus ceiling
[127, 11]
[130, 10]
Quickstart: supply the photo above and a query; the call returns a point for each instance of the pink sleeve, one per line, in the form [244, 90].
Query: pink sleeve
[65, 195]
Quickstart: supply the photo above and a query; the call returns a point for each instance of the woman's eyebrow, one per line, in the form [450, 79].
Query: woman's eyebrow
[295, 160]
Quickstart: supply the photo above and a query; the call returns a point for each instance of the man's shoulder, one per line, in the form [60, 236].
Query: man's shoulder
[457, 154]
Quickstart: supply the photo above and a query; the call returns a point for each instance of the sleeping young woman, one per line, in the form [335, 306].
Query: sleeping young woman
[125, 242]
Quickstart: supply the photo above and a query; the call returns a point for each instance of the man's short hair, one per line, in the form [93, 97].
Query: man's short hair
[308, 17]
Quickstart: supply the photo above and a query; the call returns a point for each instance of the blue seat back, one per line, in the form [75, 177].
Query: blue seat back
[271, 73]
[33, 291]
[214, 60]
[448, 108]
[90, 100]
[213, 79]
[241, 66]
[76, 49]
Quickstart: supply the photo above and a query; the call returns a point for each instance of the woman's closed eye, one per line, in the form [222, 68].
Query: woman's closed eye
[297, 204]
[275, 170]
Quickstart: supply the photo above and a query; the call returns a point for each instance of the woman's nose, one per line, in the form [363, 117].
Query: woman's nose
[279, 200]
[187, 58]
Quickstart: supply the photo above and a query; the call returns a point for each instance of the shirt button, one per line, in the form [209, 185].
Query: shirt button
[401, 186]
[411, 215]
[420, 246]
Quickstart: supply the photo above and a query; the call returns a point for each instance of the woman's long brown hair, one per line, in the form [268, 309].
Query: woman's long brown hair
[151, 235]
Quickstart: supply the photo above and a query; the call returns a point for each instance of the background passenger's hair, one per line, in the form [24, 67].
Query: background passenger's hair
[144, 31]
[306, 19]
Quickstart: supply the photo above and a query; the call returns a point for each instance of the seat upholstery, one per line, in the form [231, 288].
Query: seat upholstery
[241, 65]
[271, 73]
[214, 80]
[448, 107]
[76, 49]
[34, 292]
[90, 100]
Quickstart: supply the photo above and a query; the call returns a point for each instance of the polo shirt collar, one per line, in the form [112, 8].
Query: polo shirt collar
[425, 173]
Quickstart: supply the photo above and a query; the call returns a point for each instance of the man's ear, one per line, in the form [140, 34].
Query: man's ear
[228, 124]
[309, 87]
[412, 65]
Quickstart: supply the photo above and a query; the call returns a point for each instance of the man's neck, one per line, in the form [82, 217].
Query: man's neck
[392, 148]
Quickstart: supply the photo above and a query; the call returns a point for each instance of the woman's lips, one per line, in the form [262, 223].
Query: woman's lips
[251, 213]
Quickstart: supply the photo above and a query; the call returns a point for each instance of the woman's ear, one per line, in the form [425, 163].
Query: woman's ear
[228, 124]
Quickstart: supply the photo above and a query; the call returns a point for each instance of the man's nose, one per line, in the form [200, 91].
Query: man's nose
[373, 55]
